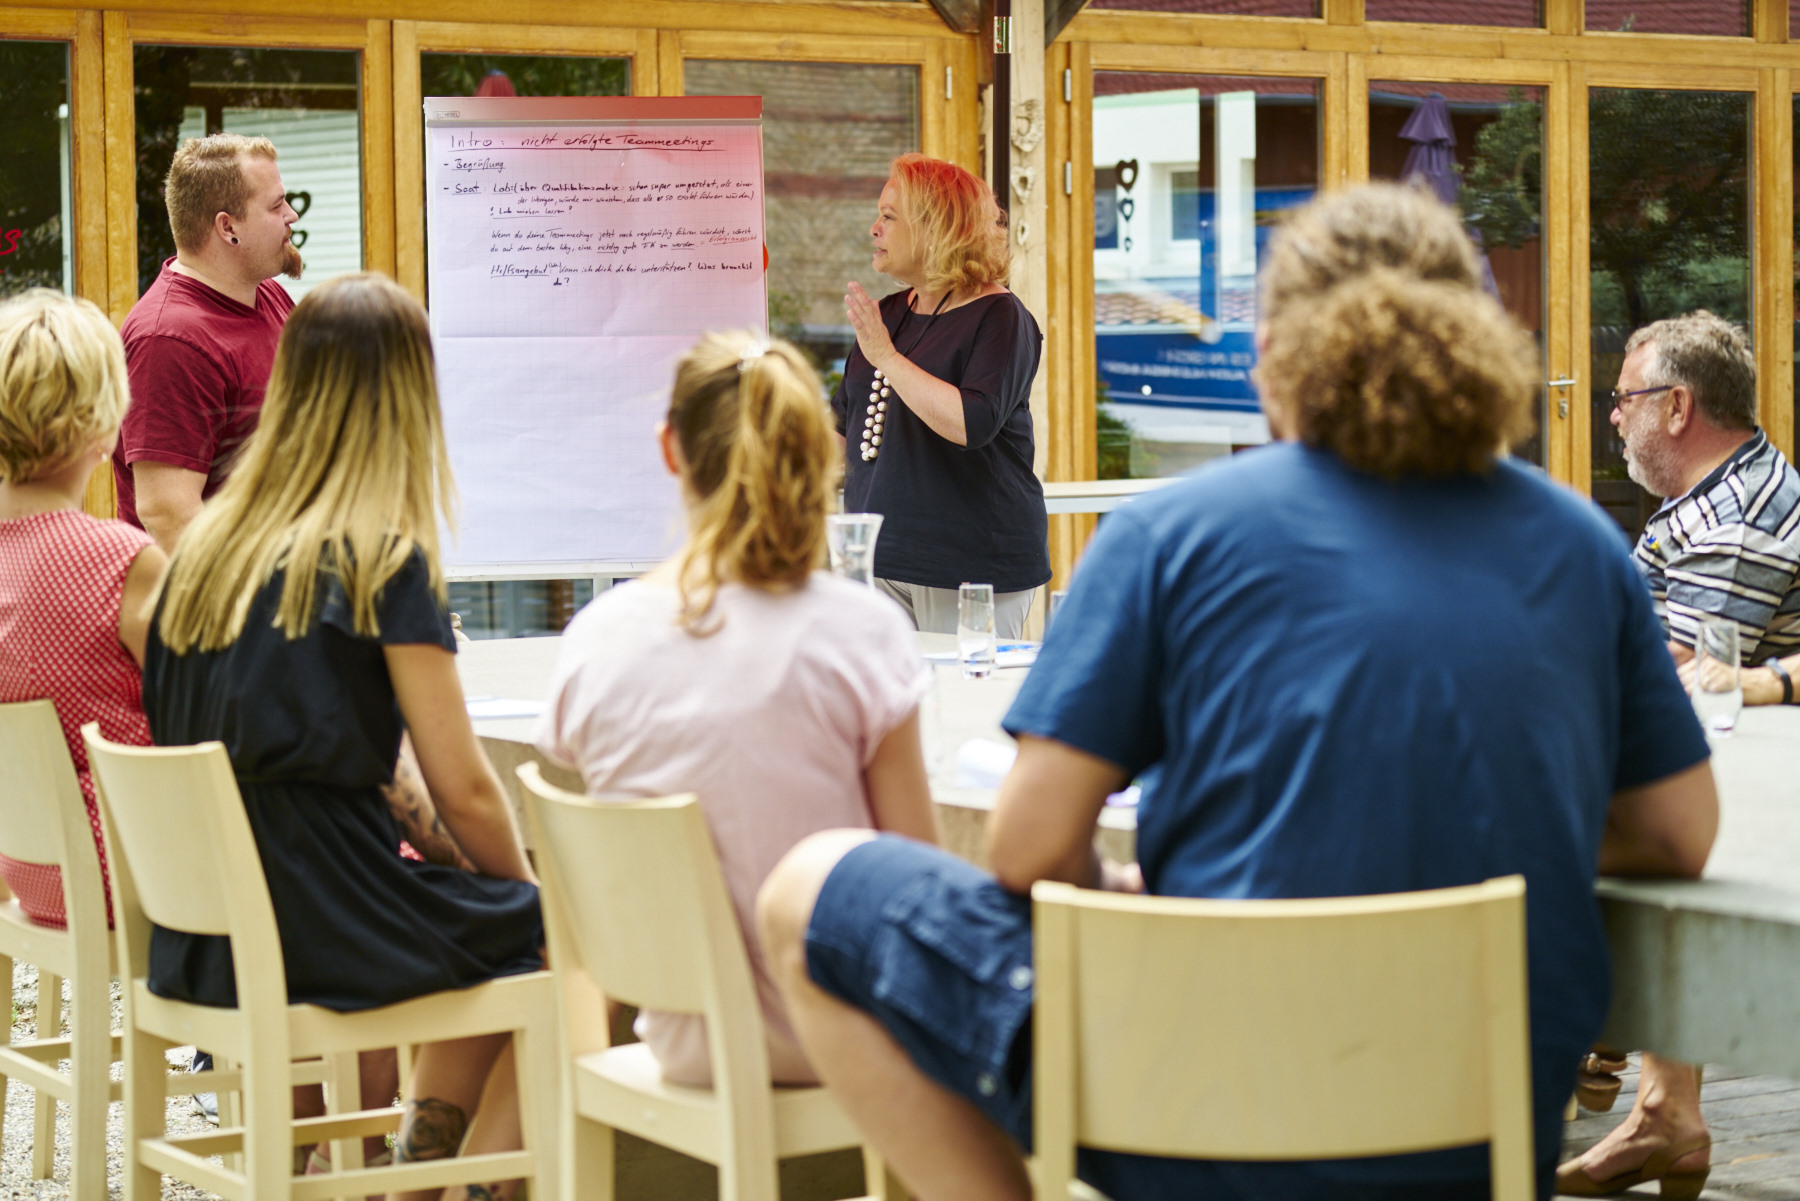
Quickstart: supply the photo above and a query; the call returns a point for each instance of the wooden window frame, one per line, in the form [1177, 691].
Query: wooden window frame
[1346, 51]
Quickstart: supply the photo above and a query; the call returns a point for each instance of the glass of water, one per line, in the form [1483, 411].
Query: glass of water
[975, 642]
[850, 537]
[1718, 686]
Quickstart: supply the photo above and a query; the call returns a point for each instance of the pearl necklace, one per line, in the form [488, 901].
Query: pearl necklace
[877, 416]
[881, 387]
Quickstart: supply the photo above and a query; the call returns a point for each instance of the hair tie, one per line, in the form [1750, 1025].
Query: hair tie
[756, 350]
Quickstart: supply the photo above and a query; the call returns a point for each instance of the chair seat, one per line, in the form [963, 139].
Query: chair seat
[623, 1087]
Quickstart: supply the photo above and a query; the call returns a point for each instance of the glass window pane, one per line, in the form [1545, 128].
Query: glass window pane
[1725, 18]
[517, 608]
[1492, 167]
[823, 170]
[1527, 14]
[1179, 231]
[522, 75]
[304, 101]
[1669, 232]
[1234, 8]
[36, 208]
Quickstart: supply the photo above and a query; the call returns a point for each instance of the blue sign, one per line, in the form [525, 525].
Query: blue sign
[1176, 368]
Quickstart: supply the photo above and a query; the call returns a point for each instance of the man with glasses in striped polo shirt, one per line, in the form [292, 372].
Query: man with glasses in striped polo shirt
[1725, 543]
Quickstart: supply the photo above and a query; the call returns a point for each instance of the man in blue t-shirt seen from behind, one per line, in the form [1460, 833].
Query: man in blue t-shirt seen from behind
[1375, 657]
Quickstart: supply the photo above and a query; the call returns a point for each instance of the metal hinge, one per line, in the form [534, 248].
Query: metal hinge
[1002, 35]
[1068, 86]
[947, 76]
[1068, 178]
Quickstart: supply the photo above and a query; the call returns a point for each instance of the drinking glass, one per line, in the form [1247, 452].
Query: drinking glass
[850, 537]
[1718, 686]
[975, 630]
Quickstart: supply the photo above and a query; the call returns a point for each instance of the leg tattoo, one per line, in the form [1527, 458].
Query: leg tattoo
[431, 1129]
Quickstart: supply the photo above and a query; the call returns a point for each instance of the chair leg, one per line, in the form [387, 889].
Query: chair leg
[343, 1094]
[536, 1059]
[6, 974]
[90, 1037]
[231, 1110]
[43, 1116]
[146, 1073]
[268, 1121]
[593, 1160]
[879, 1180]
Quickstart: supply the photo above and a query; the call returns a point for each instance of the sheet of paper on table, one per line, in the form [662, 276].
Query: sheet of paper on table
[494, 708]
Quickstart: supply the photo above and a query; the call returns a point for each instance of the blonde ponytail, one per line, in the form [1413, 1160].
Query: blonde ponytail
[758, 457]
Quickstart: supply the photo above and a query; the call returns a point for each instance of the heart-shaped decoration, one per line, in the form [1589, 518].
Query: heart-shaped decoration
[299, 202]
[1023, 180]
[1126, 172]
[298, 238]
[1127, 207]
[1022, 231]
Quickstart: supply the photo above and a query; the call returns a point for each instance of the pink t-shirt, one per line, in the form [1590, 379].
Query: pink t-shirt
[771, 721]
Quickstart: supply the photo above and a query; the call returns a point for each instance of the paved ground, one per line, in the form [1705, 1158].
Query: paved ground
[1756, 1135]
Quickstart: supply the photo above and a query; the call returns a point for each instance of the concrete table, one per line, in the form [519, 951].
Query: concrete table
[1706, 970]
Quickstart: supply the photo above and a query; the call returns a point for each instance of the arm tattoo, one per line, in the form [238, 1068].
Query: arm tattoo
[410, 802]
[431, 1129]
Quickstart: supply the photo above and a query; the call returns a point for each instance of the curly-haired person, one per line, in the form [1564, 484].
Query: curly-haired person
[1378, 656]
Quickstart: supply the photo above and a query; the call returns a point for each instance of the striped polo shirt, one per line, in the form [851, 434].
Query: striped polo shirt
[1731, 547]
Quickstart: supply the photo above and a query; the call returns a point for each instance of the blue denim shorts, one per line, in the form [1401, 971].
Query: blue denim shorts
[940, 955]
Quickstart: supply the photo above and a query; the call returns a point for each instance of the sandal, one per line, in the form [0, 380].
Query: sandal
[1597, 1082]
[1573, 1181]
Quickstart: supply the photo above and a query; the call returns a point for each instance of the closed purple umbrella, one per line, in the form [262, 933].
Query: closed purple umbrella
[1433, 155]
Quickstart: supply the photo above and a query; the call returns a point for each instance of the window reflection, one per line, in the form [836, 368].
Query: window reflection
[1235, 8]
[522, 75]
[304, 101]
[824, 164]
[1669, 232]
[1724, 18]
[1191, 174]
[36, 246]
[1480, 147]
[1518, 13]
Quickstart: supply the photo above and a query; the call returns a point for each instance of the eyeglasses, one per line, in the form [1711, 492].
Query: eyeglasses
[1619, 398]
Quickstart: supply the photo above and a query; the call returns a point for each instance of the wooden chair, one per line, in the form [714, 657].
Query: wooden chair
[1282, 1030]
[158, 806]
[636, 910]
[43, 819]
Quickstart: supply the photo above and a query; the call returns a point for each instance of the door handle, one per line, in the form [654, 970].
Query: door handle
[1562, 402]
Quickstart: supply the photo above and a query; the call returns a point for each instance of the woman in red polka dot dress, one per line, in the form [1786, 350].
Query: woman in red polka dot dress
[73, 588]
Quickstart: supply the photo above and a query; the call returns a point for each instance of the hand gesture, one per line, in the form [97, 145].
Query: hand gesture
[865, 317]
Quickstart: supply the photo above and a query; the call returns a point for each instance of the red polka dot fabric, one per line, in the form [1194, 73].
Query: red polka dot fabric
[62, 576]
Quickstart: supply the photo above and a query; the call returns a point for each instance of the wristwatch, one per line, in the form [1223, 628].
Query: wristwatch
[1787, 682]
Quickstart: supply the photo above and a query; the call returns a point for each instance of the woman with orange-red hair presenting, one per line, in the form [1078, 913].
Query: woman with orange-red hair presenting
[933, 404]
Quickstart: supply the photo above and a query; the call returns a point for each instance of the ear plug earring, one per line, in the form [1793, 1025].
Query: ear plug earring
[234, 241]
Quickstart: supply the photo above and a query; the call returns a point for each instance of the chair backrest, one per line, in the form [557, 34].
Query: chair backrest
[43, 818]
[39, 783]
[644, 907]
[183, 857]
[1292, 1029]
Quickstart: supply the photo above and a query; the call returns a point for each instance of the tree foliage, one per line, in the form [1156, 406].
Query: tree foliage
[1667, 200]
[33, 83]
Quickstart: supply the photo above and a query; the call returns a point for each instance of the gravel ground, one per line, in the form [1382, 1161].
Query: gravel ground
[15, 1167]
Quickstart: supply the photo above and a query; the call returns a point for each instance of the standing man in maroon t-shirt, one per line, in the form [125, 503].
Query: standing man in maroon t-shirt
[200, 341]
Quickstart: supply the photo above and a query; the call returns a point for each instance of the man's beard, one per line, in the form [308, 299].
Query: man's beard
[292, 265]
[1650, 466]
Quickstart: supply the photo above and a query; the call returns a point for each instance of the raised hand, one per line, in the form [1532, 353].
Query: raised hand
[865, 317]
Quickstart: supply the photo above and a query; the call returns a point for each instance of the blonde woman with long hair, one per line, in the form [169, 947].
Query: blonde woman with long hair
[785, 697]
[303, 624]
[934, 404]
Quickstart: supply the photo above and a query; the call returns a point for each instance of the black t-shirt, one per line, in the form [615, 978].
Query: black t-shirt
[954, 514]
